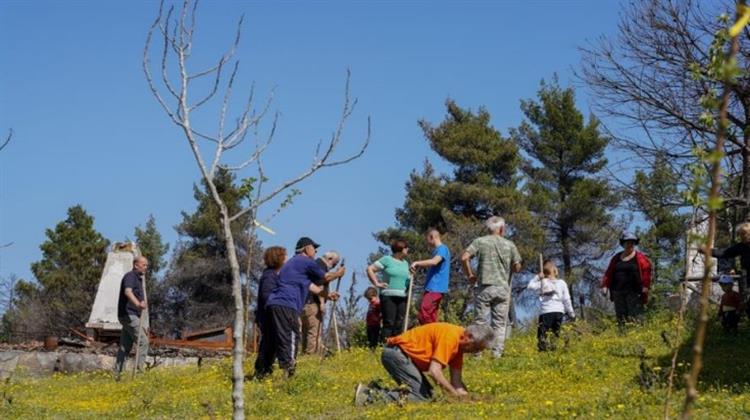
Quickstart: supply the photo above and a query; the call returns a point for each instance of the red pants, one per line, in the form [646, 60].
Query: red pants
[428, 312]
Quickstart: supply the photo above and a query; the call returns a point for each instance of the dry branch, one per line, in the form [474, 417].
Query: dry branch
[7, 139]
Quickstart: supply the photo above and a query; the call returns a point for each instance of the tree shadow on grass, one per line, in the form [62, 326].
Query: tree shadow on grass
[725, 361]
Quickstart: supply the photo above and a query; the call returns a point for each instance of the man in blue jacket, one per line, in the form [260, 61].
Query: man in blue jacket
[296, 279]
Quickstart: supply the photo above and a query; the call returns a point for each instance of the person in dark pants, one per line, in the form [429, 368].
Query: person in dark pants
[274, 258]
[393, 310]
[284, 305]
[393, 285]
[555, 302]
[131, 303]
[628, 279]
[426, 349]
[374, 317]
[730, 305]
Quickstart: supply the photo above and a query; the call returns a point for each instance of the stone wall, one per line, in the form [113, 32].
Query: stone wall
[18, 363]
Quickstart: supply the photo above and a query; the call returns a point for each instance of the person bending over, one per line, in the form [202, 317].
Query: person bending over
[427, 349]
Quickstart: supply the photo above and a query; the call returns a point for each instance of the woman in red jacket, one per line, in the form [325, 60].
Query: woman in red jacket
[628, 279]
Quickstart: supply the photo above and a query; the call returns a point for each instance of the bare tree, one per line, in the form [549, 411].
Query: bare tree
[348, 314]
[7, 289]
[654, 79]
[7, 139]
[176, 29]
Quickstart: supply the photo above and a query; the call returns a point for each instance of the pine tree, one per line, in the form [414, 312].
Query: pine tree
[570, 199]
[656, 195]
[150, 243]
[151, 246]
[484, 183]
[198, 285]
[68, 274]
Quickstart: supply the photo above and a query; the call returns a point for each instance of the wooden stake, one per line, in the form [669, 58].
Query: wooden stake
[333, 315]
[541, 266]
[336, 333]
[319, 336]
[144, 314]
[408, 302]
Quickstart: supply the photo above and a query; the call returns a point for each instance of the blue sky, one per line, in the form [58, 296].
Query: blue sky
[89, 132]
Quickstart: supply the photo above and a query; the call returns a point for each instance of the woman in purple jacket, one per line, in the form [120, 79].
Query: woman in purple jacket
[274, 258]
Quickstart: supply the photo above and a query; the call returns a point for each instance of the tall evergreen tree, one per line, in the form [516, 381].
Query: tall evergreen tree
[68, 274]
[566, 192]
[656, 195]
[150, 243]
[484, 182]
[151, 246]
[198, 285]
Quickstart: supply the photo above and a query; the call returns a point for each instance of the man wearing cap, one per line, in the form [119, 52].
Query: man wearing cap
[628, 279]
[296, 278]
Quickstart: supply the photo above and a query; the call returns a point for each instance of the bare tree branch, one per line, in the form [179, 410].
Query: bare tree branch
[7, 139]
[321, 162]
[167, 43]
[258, 151]
[652, 77]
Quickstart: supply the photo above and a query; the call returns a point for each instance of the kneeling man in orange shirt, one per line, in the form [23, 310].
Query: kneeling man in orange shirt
[427, 349]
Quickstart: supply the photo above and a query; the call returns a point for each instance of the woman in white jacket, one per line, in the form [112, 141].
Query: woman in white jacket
[555, 302]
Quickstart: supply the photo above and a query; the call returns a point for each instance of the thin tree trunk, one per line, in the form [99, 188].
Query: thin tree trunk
[248, 274]
[691, 392]
[238, 350]
[567, 264]
[743, 208]
[743, 213]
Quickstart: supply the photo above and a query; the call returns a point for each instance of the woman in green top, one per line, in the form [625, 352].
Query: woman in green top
[393, 286]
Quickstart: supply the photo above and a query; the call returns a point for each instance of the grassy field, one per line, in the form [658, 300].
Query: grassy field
[597, 374]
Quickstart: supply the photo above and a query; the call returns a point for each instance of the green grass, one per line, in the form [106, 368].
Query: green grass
[595, 375]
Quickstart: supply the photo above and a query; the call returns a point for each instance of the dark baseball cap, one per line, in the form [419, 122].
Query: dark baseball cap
[305, 241]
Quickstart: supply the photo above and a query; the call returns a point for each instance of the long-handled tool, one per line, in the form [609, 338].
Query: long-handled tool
[408, 302]
[332, 320]
[319, 334]
[140, 332]
[541, 266]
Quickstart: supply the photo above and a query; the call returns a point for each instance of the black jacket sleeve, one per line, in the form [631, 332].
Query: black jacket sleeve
[731, 252]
